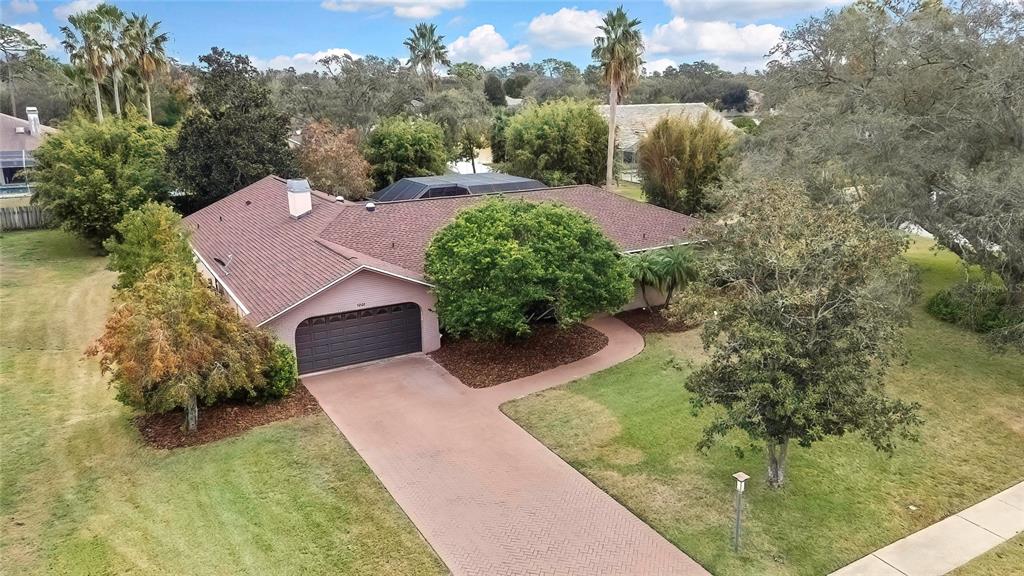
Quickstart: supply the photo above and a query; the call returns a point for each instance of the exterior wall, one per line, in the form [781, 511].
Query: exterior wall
[366, 289]
[654, 296]
[215, 284]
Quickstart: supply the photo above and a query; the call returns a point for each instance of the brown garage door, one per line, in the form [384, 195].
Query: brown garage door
[334, 340]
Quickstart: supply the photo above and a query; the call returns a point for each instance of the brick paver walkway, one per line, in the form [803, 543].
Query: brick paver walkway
[488, 497]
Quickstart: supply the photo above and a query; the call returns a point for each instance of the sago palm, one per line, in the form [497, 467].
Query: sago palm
[146, 53]
[88, 44]
[619, 51]
[426, 50]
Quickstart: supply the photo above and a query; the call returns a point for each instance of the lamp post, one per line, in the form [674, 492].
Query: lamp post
[741, 482]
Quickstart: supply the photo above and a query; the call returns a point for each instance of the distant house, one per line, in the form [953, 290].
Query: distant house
[632, 121]
[19, 141]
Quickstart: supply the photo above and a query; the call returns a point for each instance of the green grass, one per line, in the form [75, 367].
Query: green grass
[630, 190]
[1005, 559]
[80, 494]
[630, 430]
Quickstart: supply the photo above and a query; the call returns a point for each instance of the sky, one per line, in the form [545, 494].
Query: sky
[734, 34]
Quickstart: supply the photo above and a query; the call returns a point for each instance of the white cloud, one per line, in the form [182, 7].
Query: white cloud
[746, 10]
[659, 65]
[40, 34]
[419, 9]
[566, 28]
[303, 61]
[487, 48]
[22, 6]
[723, 39]
[74, 7]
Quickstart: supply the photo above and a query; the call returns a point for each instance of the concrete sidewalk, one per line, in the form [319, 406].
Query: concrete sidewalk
[949, 543]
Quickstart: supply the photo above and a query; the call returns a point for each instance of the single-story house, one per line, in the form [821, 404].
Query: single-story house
[20, 139]
[343, 282]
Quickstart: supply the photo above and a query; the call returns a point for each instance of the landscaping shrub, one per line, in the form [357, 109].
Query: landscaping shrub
[281, 373]
[559, 143]
[505, 263]
[977, 305]
[90, 175]
[149, 236]
[405, 147]
[680, 160]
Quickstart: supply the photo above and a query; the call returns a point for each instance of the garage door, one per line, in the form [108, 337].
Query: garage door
[334, 340]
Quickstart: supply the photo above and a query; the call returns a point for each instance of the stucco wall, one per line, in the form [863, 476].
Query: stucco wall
[366, 289]
[654, 296]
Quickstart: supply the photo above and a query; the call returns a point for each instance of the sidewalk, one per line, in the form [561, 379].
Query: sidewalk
[949, 543]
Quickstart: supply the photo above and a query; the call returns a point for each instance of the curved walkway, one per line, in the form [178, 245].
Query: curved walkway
[489, 497]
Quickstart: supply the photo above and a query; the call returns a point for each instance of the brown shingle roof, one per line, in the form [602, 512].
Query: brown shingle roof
[399, 232]
[277, 261]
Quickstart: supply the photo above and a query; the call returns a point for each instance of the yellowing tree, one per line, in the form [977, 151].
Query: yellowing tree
[173, 342]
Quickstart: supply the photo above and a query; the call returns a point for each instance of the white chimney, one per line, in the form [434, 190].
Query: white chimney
[300, 197]
[33, 120]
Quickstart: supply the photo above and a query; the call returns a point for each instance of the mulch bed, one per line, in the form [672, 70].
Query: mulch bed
[222, 420]
[483, 364]
[650, 321]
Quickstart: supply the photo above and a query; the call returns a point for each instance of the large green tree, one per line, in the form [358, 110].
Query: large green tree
[22, 55]
[680, 159]
[465, 118]
[504, 263]
[90, 175]
[172, 342]
[232, 137]
[811, 317]
[909, 112]
[619, 50]
[559, 143]
[403, 147]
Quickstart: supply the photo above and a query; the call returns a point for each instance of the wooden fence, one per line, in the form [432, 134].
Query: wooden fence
[23, 218]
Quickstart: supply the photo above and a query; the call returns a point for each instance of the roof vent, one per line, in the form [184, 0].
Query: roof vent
[300, 197]
[370, 206]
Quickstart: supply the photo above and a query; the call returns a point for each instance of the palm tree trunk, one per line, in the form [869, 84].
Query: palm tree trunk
[149, 104]
[117, 99]
[613, 96]
[10, 88]
[99, 100]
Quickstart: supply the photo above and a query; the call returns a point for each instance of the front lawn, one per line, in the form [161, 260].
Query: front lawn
[81, 494]
[631, 431]
[999, 561]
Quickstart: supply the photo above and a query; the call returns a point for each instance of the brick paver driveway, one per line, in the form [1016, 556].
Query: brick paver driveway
[488, 497]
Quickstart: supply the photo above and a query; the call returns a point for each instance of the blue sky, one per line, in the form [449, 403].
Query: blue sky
[733, 33]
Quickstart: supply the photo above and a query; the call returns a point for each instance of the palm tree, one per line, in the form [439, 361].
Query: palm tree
[426, 49]
[676, 267]
[89, 48]
[145, 51]
[645, 269]
[620, 52]
[112, 19]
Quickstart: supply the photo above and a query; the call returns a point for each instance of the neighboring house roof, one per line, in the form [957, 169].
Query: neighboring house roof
[274, 261]
[454, 185]
[632, 121]
[13, 140]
